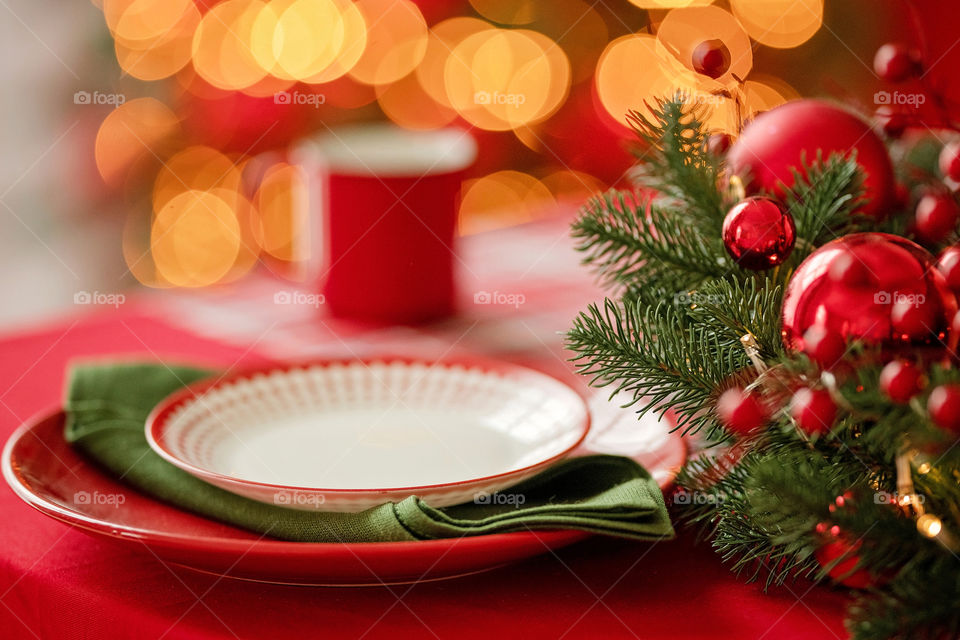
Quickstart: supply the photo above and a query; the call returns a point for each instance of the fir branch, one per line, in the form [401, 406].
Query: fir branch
[823, 199]
[629, 241]
[732, 309]
[654, 354]
[675, 161]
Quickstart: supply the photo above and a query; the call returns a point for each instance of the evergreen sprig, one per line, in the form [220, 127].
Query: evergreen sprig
[670, 340]
[675, 161]
[823, 200]
[644, 352]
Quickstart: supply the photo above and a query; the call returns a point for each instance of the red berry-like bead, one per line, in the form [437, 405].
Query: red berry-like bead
[936, 216]
[949, 265]
[741, 412]
[813, 409]
[711, 58]
[843, 572]
[823, 346]
[950, 161]
[912, 319]
[944, 406]
[900, 380]
[719, 143]
[892, 121]
[895, 62]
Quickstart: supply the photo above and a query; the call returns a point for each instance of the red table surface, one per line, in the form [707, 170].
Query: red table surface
[56, 582]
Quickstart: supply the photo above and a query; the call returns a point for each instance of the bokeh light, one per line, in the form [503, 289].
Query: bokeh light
[571, 186]
[134, 133]
[506, 11]
[407, 104]
[501, 79]
[396, 41]
[222, 45]
[196, 168]
[779, 23]
[217, 206]
[281, 202]
[502, 198]
[196, 238]
[157, 56]
[669, 4]
[441, 42]
[631, 73]
[144, 20]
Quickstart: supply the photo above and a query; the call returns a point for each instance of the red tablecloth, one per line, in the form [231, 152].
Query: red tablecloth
[58, 583]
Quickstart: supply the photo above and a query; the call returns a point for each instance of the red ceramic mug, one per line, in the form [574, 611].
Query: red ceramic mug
[386, 199]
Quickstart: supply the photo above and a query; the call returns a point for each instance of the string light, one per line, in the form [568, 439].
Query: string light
[929, 525]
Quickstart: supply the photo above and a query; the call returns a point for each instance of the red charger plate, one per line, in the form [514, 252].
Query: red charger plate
[49, 475]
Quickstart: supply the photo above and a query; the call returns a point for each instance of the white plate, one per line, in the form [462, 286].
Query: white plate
[348, 435]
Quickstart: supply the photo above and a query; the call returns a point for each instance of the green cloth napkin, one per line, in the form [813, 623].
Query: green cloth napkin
[107, 405]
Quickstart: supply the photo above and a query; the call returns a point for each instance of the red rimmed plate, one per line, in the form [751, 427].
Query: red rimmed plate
[50, 476]
[338, 435]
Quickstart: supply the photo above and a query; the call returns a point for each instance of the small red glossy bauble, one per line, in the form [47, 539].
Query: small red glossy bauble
[758, 233]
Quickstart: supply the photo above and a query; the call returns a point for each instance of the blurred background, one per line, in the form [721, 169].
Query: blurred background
[149, 143]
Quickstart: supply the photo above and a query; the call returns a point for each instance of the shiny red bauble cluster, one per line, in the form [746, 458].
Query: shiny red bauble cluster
[758, 233]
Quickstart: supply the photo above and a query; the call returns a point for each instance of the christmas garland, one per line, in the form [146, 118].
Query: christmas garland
[782, 297]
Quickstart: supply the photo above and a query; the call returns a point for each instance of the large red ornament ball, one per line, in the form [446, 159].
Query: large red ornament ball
[777, 140]
[875, 287]
[758, 233]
